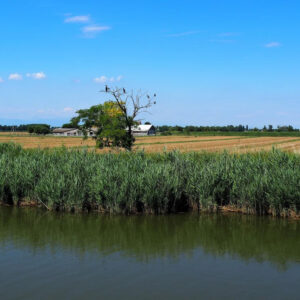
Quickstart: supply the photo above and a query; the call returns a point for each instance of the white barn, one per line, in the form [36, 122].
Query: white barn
[138, 130]
[143, 130]
[71, 132]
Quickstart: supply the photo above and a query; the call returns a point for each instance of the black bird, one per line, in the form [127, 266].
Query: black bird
[154, 95]
[106, 89]
[148, 96]
[124, 91]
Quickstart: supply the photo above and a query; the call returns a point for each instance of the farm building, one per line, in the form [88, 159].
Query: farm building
[138, 130]
[143, 130]
[71, 132]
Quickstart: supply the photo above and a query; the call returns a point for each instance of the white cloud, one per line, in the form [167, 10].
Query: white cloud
[1, 80]
[273, 45]
[101, 79]
[15, 76]
[68, 109]
[94, 29]
[77, 19]
[91, 31]
[38, 75]
[104, 79]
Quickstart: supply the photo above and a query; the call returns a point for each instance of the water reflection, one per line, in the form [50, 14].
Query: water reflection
[148, 237]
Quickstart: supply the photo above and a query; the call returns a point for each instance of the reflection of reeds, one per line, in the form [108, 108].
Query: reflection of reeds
[262, 182]
[149, 237]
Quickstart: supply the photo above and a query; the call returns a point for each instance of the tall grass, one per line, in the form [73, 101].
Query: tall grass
[265, 182]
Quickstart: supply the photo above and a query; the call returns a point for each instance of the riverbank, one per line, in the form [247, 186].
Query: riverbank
[138, 183]
[224, 210]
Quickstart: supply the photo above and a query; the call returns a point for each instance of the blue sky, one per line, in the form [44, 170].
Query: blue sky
[210, 62]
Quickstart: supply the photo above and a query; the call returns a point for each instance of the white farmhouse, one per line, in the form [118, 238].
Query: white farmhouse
[138, 130]
[143, 130]
[71, 132]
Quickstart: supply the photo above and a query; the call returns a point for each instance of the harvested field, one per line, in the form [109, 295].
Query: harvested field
[166, 143]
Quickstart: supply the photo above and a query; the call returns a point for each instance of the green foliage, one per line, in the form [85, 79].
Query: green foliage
[8, 128]
[265, 182]
[109, 122]
[70, 125]
[38, 128]
[230, 130]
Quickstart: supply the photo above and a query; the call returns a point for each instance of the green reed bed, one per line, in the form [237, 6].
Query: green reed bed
[61, 179]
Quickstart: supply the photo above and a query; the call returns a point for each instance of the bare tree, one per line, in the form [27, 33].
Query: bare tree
[131, 105]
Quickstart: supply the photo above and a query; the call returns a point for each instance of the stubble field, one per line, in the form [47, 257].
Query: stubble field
[165, 143]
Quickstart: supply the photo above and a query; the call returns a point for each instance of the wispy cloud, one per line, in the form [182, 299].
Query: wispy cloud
[78, 19]
[105, 79]
[15, 76]
[101, 79]
[186, 33]
[38, 76]
[272, 45]
[1, 80]
[93, 30]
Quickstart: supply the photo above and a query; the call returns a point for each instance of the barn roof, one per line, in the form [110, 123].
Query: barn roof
[142, 127]
[61, 130]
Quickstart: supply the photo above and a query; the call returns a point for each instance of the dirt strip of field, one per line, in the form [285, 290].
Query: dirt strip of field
[168, 143]
[248, 144]
[51, 141]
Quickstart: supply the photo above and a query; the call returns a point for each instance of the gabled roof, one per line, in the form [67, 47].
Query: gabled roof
[62, 130]
[142, 127]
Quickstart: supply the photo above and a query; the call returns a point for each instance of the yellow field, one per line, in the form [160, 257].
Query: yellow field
[167, 143]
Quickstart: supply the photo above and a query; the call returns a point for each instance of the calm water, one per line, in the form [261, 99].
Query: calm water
[53, 256]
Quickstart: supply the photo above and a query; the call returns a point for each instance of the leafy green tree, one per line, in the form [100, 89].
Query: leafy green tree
[130, 105]
[106, 120]
[113, 120]
[38, 128]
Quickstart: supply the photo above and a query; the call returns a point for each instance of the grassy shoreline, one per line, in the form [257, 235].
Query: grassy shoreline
[138, 183]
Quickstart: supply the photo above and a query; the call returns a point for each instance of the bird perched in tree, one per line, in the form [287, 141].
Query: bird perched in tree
[148, 96]
[154, 95]
[124, 91]
[106, 88]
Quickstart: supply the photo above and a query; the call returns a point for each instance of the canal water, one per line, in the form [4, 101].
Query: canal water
[46, 255]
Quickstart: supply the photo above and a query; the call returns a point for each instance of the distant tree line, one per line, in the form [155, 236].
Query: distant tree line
[7, 128]
[39, 128]
[31, 128]
[164, 129]
[228, 128]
